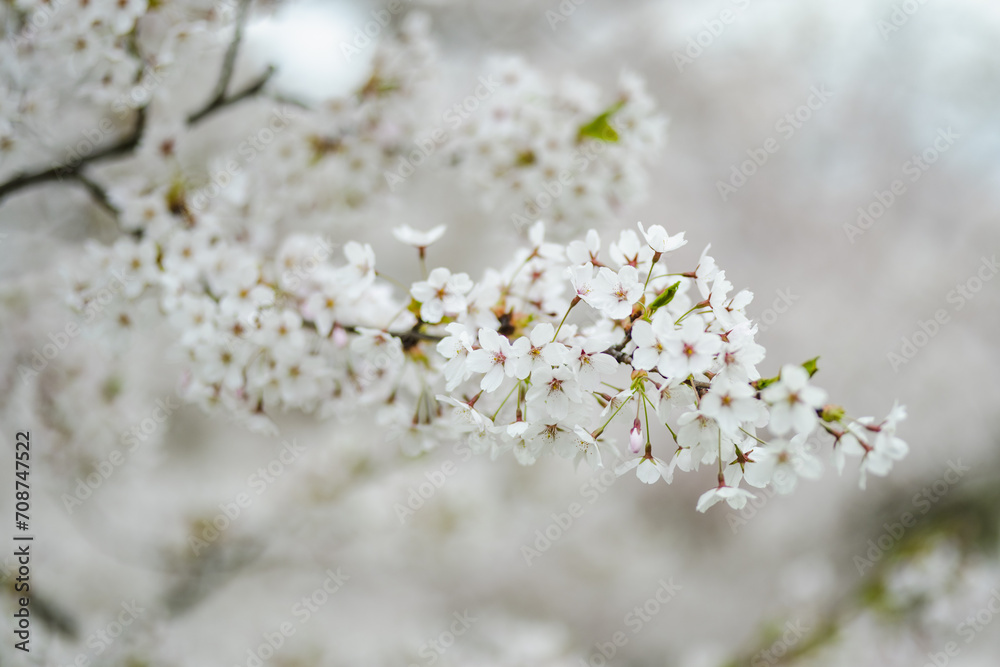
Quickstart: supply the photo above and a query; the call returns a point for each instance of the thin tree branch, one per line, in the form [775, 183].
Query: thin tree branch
[99, 194]
[128, 144]
[217, 105]
[61, 171]
[228, 66]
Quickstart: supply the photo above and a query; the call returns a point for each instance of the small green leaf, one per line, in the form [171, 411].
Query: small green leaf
[665, 297]
[763, 382]
[811, 366]
[599, 128]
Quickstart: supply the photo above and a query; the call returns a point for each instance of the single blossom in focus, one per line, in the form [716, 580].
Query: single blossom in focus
[658, 239]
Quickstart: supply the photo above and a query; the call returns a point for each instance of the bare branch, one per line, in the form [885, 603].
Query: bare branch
[98, 193]
[128, 144]
[218, 98]
[217, 105]
[63, 171]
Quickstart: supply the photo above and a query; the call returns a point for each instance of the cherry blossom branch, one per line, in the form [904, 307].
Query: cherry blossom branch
[127, 144]
[409, 338]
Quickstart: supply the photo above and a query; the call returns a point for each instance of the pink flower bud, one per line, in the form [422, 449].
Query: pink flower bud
[339, 336]
[635, 437]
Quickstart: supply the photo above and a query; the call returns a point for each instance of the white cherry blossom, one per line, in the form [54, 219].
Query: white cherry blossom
[615, 293]
[417, 238]
[781, 463]
[690, 350]
[658, 239]
[732, 404]
[793, 401]
[736, 497]
[443, 293]
[552, 390]
[497, 358]
[648, 469]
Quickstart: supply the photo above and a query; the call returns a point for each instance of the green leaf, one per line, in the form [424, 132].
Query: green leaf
[665, 297]
[810, 367]
[763, 382]
[599, 128]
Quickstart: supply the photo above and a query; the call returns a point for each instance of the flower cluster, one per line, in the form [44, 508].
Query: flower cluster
[559, 150]
[498, 360]
[538, 356]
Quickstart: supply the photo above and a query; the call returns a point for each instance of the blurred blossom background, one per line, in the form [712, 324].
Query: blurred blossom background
[787, 125]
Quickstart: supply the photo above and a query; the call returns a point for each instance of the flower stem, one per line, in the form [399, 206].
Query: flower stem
[572, 303]
[423, 262]
[650, 274]
[721, 478]
[645, 412]
[504, 401]
[753, 436]
[615, 414]
[393, 281]
[693, 308]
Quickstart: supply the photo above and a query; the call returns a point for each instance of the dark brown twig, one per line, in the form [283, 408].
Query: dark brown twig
[98, 193]
[63, 171]
[218, 98]
[249, 91]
